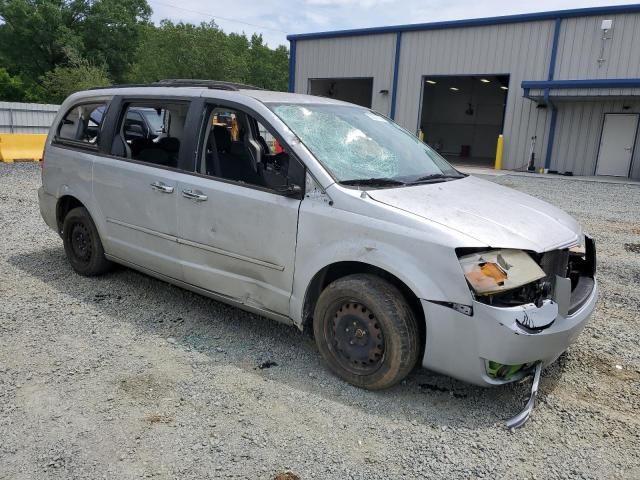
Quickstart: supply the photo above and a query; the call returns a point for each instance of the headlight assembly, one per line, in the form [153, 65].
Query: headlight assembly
[497, 271]
[580, 248]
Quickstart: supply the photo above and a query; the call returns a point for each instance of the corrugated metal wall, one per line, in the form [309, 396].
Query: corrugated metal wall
[581, 45]
[579, 125]
[26, 117]
[365, 56]
[520, 50]
[578, 134]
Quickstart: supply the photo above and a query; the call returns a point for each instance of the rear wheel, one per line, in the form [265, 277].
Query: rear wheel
[82, 244]
[366, 332]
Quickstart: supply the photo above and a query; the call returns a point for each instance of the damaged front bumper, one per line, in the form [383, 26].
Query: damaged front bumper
[468, 347]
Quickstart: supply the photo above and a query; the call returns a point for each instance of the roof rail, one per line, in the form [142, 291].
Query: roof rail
[186, 82]
[213, 84]
[122, 85]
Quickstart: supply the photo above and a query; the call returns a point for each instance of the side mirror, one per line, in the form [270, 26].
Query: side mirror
[291, 190]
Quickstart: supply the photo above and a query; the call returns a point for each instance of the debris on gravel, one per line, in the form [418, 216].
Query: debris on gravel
[124, 376]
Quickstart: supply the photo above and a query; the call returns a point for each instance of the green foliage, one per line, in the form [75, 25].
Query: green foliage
[184, 50]
[39, 35]
[267, 68]
[12, 89]
[59, 83]
[49, 48]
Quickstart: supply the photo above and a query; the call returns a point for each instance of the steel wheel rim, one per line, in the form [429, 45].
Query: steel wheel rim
[81, 242]
[356, 339]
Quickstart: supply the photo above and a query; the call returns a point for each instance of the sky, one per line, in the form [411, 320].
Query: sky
[275, 19]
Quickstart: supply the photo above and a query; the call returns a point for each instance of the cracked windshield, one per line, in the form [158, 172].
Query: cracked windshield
[357, 145]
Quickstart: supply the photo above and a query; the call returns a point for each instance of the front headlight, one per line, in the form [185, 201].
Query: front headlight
[496, 271]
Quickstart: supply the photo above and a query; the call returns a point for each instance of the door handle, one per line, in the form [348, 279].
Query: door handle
[191, 195]
[161, 187]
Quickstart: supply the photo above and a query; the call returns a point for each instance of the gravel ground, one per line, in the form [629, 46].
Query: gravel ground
[124, 376]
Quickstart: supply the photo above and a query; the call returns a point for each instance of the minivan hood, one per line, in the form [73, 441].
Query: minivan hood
[497, 216]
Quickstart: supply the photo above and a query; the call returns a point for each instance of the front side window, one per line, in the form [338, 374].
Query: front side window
[82, 123]
[239, 148]
[151, 132]
[357, 145]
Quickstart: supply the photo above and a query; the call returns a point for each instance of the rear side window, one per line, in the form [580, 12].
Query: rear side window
[151, 132]
[82, 123]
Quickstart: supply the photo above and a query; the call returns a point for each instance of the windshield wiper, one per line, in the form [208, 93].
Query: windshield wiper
[373, 182]
[435, 177]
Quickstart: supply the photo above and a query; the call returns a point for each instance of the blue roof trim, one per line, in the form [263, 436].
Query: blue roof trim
[292, 66]
[475, 22]
[554, 48]
[552, 137]
[597, 83]
[547, 99]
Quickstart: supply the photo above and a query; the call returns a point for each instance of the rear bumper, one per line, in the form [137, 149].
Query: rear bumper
[47, 204]
[459, 345]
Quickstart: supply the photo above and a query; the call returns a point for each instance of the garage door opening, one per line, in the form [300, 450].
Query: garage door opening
[462, 116]
[354, 90]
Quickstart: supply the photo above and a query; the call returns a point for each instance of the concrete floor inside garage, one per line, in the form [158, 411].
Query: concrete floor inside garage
[462, 116]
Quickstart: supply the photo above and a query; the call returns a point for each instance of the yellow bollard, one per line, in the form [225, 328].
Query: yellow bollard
[499, 150]
[421, 135]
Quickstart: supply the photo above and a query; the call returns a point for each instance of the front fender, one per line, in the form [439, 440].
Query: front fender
[327, 235]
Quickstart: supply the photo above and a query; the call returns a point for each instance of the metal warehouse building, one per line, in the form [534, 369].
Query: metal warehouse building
[564, 85]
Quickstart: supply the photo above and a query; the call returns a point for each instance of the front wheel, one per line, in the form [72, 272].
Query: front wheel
[366, 332]
[82, 244]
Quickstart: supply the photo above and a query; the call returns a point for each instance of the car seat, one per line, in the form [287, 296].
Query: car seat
[235, 161]
[171, 145]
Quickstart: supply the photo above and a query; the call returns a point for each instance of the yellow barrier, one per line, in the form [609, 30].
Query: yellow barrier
[21, 146]
[499, 150]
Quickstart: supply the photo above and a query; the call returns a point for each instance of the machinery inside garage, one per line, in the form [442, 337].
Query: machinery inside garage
[354, 90]
[462, 116]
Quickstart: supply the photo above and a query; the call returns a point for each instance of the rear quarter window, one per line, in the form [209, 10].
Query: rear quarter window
[81, 124]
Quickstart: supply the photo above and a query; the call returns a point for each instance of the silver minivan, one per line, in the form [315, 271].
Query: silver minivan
[324, 215]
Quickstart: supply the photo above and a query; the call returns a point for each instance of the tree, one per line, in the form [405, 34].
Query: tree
[51, 47]
[12, 89]
[59, 83]
[37, 35]
[185, 50]
[111, 33]
[206, 52]
[267, 68]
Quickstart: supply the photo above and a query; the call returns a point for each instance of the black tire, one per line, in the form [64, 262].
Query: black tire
[82, 244]
[383, 346]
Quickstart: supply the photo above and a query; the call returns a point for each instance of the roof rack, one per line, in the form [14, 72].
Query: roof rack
[186, 82]
[213, 84]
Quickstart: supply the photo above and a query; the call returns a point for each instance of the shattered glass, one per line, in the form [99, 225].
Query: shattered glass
[354, 143]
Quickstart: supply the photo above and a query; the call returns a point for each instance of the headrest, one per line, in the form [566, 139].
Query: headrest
[222, 137]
